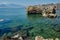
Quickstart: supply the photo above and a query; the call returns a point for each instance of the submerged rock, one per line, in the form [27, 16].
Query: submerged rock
[4, 30]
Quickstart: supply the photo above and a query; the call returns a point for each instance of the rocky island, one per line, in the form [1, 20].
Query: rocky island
[44, 10]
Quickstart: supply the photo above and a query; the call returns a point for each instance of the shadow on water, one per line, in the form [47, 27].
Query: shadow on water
[37, 16]
[34, 17]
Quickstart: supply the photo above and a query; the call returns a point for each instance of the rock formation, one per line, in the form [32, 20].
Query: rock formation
[44, 10]
[38, 38]
[41, 38]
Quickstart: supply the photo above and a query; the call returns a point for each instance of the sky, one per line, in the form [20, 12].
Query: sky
[28, 2]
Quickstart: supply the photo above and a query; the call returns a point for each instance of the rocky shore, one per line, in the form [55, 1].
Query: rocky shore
[41, 38]
[18, 37]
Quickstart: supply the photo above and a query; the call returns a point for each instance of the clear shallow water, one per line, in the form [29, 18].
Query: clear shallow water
[14, 17]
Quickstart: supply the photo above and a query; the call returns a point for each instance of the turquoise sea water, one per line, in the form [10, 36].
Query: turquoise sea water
[14, 17]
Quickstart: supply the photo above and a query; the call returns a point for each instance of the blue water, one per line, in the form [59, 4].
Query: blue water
[17, 17]
[15, 14]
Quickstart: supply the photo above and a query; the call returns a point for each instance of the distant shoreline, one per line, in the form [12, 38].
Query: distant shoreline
[16, 6]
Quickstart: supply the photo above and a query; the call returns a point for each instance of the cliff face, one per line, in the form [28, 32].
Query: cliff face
[34, 9]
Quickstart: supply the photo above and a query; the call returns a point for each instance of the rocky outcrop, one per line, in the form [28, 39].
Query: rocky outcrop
[15, 37]
[41, 38]
[38, 38]
[44, 10]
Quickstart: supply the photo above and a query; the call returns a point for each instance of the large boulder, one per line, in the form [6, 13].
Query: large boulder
[52, 15]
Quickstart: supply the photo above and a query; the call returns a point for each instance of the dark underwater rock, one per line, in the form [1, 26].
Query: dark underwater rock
[4, 30]
[15, 29]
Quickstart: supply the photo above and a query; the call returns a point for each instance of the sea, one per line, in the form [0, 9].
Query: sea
[11, 18]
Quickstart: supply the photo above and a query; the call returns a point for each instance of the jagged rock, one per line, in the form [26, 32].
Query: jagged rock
[16, 36]
[20, 38]
[38, 38]
[57, 39]
[52, 15]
